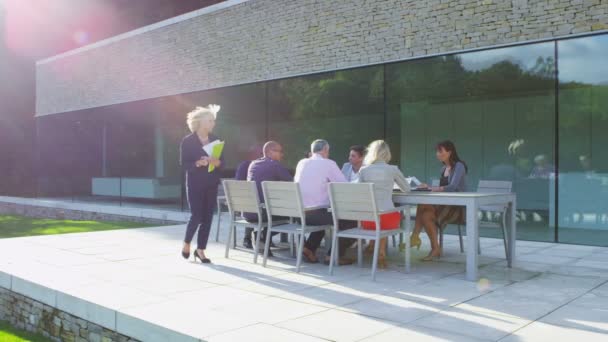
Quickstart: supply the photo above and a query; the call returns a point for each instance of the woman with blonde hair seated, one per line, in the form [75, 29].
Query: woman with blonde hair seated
[376, 170]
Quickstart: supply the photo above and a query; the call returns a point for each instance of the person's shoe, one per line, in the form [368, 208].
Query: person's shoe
[433, 256]
[247, 243]
[415, 241]
[204, 260]
[186, 254]
[309, 256]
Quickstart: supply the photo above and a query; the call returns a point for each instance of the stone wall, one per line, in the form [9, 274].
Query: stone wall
[70, 214]
[268, 39]
[30, 315]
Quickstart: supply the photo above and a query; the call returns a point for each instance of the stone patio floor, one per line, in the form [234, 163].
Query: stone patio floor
[135, 282]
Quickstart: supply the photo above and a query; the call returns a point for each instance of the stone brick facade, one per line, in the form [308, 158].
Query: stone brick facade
[27, 314]
[268, 39]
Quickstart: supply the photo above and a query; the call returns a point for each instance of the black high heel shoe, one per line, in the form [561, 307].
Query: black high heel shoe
[186, 255]
[203, 260]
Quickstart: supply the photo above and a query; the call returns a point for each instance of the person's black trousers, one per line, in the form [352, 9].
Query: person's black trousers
[322, 217]
[253, 218]
[202, 202]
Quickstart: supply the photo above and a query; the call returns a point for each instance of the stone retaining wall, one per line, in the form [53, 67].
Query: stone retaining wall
[27, 314]
[70, 214]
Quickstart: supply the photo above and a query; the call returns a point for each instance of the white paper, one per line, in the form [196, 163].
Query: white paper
[209, 147]
[413, 180]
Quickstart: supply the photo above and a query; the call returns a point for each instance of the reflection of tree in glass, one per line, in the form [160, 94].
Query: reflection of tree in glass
[441, 78]
[343, 93]
[344, 107]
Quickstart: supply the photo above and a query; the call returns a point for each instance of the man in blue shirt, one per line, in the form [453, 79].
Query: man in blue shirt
[267, 168]
[254, 153]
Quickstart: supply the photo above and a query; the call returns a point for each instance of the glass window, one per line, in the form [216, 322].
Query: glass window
[345, 108]
[497, 106]
[129, 139]
[69, 150]
[583, 123]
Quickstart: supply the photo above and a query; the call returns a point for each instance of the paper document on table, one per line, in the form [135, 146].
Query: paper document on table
[413, 180]
[214, 149]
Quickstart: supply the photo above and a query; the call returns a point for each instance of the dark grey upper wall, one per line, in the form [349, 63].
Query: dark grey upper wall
[243, 41]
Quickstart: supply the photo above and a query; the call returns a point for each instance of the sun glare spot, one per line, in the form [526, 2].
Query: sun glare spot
[81, 37]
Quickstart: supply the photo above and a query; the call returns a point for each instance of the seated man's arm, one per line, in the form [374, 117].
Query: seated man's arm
[283, 174]
[335, 174]
[298, 172]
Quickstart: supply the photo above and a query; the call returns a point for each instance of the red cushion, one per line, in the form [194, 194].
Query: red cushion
[387, 222]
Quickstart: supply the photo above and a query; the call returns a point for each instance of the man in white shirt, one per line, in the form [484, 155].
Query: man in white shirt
[313, 175]
[355, 161]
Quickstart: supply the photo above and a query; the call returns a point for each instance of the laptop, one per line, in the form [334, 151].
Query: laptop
[414, 183]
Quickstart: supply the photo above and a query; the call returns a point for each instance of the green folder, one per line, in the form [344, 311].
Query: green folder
[216, 153]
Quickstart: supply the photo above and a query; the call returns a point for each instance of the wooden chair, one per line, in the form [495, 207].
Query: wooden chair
[357, 202]
[285, 199]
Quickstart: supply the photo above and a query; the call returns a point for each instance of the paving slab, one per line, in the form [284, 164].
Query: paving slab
[337, 325]
[543, 332]
[135, 281]
[420, 334]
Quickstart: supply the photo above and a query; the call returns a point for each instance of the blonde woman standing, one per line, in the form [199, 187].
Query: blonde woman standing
[376, 170]
[201, 185]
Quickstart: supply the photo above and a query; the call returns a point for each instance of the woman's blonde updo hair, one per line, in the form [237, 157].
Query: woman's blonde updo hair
[199, 113]
[377, 151]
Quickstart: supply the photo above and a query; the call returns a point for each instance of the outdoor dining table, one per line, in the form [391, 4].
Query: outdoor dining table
[472, 201]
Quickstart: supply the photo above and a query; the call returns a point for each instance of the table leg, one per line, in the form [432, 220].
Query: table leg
[512, 220]
[472, 238]
[408, 231]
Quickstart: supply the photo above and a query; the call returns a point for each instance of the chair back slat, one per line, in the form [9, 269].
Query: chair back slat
[355, 215]
[501, 187]
[355, 206]
[490, 186]
[353, 201]
[282, 199]
[282, 195]
[241, 196]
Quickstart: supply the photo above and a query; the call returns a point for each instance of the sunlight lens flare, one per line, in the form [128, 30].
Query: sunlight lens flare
[483, 285]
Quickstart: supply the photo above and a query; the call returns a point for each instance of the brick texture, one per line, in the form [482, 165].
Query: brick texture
[269, 39]
[27, 314]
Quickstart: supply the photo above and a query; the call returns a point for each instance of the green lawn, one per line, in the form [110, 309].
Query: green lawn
[10, 334]
[15, 226]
